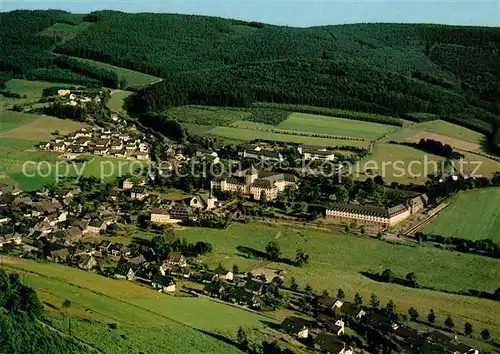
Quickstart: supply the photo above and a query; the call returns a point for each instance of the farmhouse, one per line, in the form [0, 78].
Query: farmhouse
[256, 183]
[160, 216]
[163, 283]
[368, 214]
[330, 343]
[315, 152]
[296, 326]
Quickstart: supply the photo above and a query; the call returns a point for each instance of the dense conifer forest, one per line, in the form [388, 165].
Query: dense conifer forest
[392, 69]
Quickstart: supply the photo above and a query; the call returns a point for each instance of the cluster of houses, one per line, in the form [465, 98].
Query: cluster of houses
[326, 332]
[100, 141]
[77, 98]
[54, 217]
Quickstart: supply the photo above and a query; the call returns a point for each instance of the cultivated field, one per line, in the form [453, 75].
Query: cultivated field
[403, 164]
[335, 126]
[134, 79]
[336, 260]
[472, 215]
[449, 133]
[249, 134]
[146, 321]
[453, 142]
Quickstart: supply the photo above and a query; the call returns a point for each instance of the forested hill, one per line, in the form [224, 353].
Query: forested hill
[385, 68]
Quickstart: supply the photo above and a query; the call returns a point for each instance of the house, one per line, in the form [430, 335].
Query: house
[409, 336]
[180, 211]
[224, 274]
[352, 310]
[125, 271]
[204, 201]
[176, 258]
[138, 192]
[333, 325]
[327, 302]
[207, 277]
[296, 326]
[87, 262]
[83, 225]
[96, 226]
[215, 289]
[119, 250]
[380, 320]
[141, 155]
[59, 255]
[161, 216]
[11, 239]
[441, 342]
[240, 295]
[263, 155]
[331, 344]
[137, 260]
[163, 283]
[73, 234]
[254, 286]
[183, 272]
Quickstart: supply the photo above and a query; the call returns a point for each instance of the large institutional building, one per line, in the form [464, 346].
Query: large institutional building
[253, 182]
[376, 215]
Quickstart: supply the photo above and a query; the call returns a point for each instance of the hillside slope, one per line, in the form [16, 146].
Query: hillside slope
[386, 68]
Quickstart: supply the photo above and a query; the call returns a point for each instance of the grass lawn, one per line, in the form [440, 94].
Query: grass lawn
[249, 134]
[147, 321]
[117, 99]
[10, 120]
[134, 79]
[336, 260]
[412, 165]
[335, 126]
[473, 215]
[32, 89]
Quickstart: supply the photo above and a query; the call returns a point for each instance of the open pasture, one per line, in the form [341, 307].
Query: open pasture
[249, 134]
[473, 215]
[36, 127]
[335, 126]
[337, 259]
[117, 100]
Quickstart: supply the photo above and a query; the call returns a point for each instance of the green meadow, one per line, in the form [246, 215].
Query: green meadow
[473, 215]
[335, 126]
[337, 260]
[250, 134]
